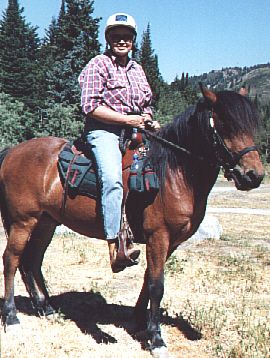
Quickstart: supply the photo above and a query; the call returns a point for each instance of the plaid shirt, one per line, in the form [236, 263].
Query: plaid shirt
[104, 82]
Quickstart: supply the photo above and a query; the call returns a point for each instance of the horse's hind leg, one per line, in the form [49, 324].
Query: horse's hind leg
[17, 239]
[31, 261]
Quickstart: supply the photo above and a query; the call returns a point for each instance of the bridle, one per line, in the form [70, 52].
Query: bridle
[224, 157]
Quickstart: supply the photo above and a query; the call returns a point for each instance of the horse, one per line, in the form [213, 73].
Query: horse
[187, 154]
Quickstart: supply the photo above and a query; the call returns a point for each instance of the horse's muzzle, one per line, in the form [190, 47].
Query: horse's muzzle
[245, 180]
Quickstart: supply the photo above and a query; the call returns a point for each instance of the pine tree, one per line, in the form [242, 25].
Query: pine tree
[62, 79]
[76, 43]
[77, 18]
[50, 51]
[149, 62]
[18, 55]
[184, 89]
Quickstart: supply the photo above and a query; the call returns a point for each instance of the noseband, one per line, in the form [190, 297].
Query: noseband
[226, 158]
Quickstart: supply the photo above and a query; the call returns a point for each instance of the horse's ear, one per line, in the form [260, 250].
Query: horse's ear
[209, 95]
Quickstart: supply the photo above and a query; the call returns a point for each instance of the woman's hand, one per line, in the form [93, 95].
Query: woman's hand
[149, 123]
[135, 120]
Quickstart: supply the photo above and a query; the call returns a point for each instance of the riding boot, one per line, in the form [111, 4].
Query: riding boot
[122, 256]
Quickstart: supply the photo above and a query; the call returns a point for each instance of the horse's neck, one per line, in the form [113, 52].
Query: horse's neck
[197, 178]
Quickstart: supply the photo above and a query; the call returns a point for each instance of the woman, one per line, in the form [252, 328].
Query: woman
[114, 85]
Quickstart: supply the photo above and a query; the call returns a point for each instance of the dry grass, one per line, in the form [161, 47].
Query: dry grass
[228, 289]
[216, 301]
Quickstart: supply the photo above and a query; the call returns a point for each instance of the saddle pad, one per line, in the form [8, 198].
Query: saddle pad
[77, 170]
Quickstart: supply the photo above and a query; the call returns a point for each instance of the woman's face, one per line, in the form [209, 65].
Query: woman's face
[121, 40]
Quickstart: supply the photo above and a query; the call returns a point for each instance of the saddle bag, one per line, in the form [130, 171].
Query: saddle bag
[78, 171]
[143, 178]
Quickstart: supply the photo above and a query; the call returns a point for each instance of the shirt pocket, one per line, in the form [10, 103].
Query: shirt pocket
[143, 94]
[113, 84]
[116, 91]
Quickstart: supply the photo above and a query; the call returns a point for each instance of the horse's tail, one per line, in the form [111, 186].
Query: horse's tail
[3, 205]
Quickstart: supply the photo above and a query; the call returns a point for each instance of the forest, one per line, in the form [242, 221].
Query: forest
[39, 91]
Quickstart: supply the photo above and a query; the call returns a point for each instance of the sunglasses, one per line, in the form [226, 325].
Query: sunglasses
[117, 37]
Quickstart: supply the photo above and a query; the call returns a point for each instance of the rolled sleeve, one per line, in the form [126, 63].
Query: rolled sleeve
[148, 110]
[91, 81]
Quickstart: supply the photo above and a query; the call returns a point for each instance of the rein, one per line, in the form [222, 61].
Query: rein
[171, 144]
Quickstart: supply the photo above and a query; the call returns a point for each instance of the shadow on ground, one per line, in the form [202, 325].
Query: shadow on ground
[88, 309]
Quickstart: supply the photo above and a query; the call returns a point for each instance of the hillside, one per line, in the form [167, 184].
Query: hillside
[256, 78]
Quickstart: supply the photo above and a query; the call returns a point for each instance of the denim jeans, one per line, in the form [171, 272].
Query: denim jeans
[108, 157]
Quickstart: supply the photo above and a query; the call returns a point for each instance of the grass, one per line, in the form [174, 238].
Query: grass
[228, 297]
[216, 299]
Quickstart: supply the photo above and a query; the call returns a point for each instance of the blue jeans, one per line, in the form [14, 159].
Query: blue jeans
[108, 157]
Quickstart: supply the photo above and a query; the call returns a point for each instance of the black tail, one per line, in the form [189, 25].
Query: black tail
[3, 205]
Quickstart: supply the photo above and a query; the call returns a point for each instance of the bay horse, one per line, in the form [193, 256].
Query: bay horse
[187, 154]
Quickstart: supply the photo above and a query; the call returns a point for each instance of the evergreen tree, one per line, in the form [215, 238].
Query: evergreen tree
[170, 104]
[78, 32]
[60, 121]
[16, 122]
[18, 55]
[149, 62]
[180, 85]
[50, 51]
[62, 79]
[74, 19]
[184, 89]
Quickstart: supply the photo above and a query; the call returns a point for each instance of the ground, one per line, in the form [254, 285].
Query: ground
[216, 292]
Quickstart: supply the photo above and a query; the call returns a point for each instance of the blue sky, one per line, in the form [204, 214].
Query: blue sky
[193, 36]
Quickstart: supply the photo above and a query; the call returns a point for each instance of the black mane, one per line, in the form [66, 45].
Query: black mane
[235, 115]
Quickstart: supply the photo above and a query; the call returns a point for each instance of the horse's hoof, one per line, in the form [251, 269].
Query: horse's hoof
[11, 325]
[161, 352]
[10, 321]
[47, 311]
[49, 317]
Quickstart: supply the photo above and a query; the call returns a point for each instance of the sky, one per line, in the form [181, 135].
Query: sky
[191, 36]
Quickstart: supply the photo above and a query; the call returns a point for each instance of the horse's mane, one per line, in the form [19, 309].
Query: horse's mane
[190, 130]
[237, 114]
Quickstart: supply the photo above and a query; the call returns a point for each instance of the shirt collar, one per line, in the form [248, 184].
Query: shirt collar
[115, 61]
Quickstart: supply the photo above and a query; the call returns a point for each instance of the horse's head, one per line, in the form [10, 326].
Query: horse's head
[233, 124]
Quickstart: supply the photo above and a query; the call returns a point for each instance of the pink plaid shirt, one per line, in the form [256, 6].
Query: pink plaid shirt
[104, 82]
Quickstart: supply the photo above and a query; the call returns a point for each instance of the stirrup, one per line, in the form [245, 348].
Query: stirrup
[126, 255]
[130, 258]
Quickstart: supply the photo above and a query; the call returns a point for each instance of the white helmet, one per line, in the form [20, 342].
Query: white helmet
[121, 19]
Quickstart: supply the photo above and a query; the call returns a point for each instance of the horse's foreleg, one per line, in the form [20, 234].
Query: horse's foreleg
[31, 261]
[140, 311]
[16, 242]
[157, 253]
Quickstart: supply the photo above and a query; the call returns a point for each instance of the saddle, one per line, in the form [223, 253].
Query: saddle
[78, 175]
